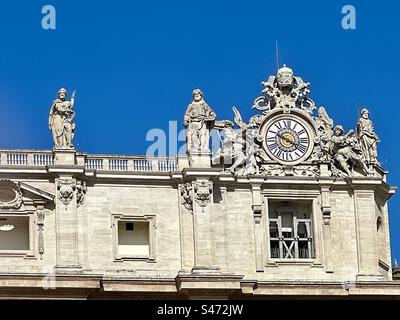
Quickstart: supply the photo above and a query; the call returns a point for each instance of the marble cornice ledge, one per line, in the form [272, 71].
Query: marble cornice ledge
[23, 169]
[66, 169]
[203, 281]
[107, 174]
[319, 288]
[201, 172]
[60, 281]
[129, 284]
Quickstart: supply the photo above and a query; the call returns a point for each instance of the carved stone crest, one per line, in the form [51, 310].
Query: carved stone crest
[66, 189]
[285, 91]
[10, 195]
[203, 191]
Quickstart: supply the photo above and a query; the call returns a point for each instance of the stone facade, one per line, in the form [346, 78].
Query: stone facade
[208, 227]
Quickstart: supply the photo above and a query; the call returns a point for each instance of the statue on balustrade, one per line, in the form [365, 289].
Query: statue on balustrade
[61, 121]
[367, 137]
[198, 120]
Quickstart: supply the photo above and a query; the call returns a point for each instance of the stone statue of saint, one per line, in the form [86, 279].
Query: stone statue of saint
[61, 120]
[367, 137]
[198, 119]
[344, 149]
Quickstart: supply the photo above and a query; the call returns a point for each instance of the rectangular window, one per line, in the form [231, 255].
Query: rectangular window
[14, 234]
[133, 239]
[290, 229]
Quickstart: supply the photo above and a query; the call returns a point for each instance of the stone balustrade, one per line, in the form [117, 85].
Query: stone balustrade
[39, 158]
[130, 163]
[26, 158]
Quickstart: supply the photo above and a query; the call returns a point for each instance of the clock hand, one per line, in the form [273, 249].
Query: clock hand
[286, 139]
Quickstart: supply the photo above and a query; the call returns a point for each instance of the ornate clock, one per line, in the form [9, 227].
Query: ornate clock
[288, 139]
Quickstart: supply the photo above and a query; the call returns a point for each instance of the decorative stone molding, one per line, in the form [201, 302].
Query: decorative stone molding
[307, 171]
[187, 195]
[66, 189]
[203, 192]
[282, 170]
[40, 223]
[10, 195]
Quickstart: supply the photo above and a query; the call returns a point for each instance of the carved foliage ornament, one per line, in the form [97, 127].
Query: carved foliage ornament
[80, 192]
[10, 195]
[187, 196]
[203, 192]
[40, 224]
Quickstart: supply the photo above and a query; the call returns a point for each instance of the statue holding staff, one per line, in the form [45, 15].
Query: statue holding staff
[61, 120]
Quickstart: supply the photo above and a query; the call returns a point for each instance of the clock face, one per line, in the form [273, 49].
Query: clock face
[288, 140]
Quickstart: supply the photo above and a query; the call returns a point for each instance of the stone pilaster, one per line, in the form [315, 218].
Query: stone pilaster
[66, 189]
[364, 208]
[186, 226]
[66, 223]
[202, 226]
[257, 201]
[326, 227]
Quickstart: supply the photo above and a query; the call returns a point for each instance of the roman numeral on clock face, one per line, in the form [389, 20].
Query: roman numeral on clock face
[273, 146]
[302, 131]
[302, 148]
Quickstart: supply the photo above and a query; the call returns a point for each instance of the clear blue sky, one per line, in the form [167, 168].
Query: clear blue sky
[135, 63]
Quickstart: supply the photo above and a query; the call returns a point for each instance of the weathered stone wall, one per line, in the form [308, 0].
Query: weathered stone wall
[356, 244]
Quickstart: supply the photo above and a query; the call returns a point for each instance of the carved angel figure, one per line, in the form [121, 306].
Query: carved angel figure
[233, 148]
[324, 125]
[61, 120]
[239, 146]
[345, 148]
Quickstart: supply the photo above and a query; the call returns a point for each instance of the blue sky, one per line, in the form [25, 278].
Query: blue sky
[134, 65]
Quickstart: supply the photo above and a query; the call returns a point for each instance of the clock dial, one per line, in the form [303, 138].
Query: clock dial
[287, 140]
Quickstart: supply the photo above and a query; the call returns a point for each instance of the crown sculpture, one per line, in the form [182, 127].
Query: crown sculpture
[286, 137]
